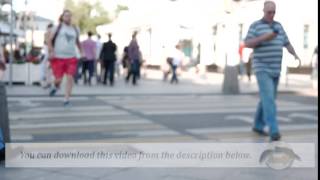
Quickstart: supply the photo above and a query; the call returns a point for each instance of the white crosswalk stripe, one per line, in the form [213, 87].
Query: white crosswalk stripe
[291, 116]
[149, 133]
[248, 129]
[211, 110]
[63, 109]
[77, 124]
[32, 98]
[247, 119]
[189, 105]
[27, 103]
[283, 119]
[63, 114]
[304, 116]
[199, 105]
[21, 137]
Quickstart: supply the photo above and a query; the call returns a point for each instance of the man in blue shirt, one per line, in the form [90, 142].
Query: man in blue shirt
[267, 38]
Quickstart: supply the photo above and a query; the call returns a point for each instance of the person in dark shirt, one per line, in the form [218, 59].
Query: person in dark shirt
[125, 60]
[134, 57]
[108, 59]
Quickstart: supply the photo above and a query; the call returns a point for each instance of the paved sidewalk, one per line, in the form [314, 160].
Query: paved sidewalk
[189, 84]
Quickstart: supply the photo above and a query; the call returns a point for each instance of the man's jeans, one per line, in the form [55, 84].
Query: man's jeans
[267, 111]
[109, 72]
[174, 73]
[134, 71]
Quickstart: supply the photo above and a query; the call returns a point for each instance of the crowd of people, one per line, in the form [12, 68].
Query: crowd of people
[66, 55]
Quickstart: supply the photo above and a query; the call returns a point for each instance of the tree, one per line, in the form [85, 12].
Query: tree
[121, 8]
[86, 15]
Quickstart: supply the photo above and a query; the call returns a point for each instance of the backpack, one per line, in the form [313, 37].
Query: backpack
[58, 30]
[170, 60]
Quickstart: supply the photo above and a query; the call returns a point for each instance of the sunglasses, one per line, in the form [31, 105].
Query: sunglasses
[271, 12]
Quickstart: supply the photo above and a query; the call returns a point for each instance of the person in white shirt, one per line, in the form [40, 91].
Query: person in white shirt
[63, 46]
[177, 59]
[98, 67]
[45, 65]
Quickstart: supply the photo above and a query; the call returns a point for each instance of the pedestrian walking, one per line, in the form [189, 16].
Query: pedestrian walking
[267, 37]
[2, 63]
[45, 65]
[134, 57]
[2, 148]
[108, 59]
[2, 70]
[63, 44]
[165, 63]
[166, 67]
[125, 61]
[314, 74]
[98, 67]
[89, 48]
[176, 62]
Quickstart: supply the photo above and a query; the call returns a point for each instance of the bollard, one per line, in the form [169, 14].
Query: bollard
[4, 118]
[230, 82]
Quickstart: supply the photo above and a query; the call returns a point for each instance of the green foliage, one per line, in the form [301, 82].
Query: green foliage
[84, 17]
[121, 8]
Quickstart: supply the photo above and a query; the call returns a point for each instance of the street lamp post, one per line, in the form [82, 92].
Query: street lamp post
[11, 44]
[8, 9]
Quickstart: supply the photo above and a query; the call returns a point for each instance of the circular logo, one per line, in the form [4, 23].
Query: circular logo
[278, 155]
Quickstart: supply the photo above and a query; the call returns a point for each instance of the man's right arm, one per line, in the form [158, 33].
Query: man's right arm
[115, 47]
[49, 43]
[252, 39]
[253, 42]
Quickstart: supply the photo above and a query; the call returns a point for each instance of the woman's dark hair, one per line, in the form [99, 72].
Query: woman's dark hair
[61, 16]
[90, 33]
[126, 49]
[50, 25]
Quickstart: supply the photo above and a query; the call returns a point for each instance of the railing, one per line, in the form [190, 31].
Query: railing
[26, 73]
